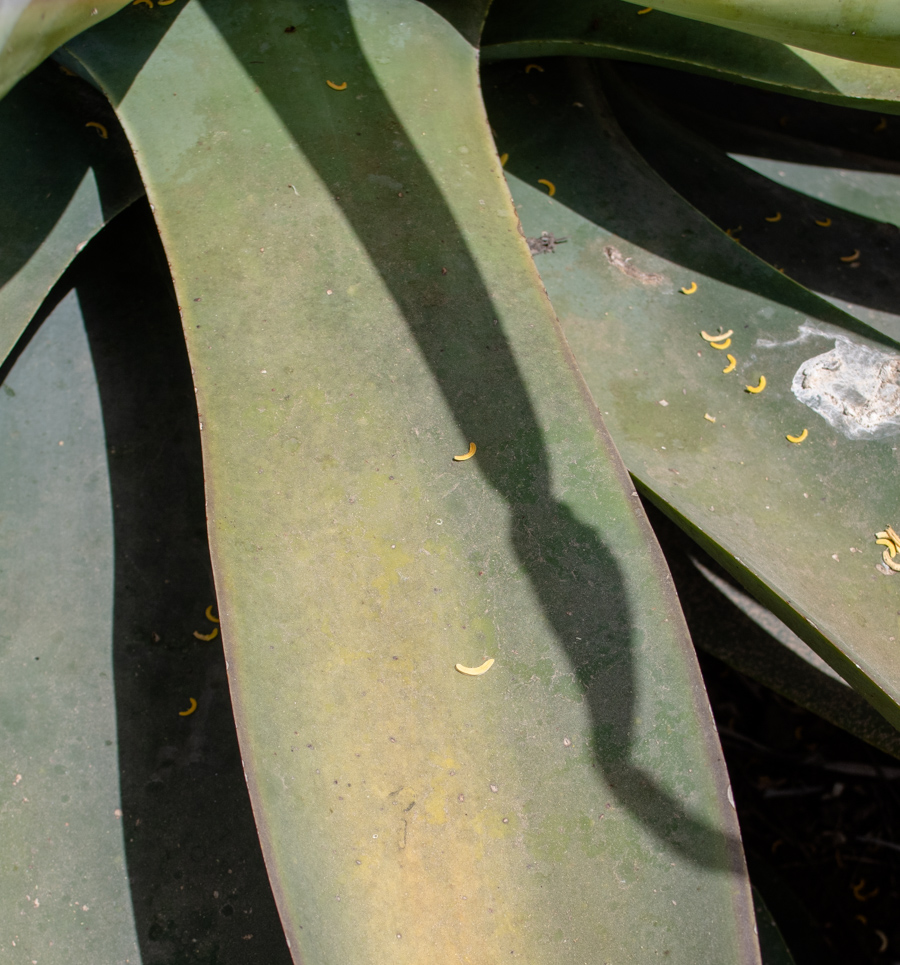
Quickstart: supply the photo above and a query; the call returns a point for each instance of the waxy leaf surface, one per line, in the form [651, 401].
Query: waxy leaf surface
[794, 522]
[614, 30]
[359, 307]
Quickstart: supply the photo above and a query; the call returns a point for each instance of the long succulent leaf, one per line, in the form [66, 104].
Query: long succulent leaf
[805, 215]
[360, 307]
[30, 30]
[641, 276]
[60, 181]
[613, 29]
[861, 30]
[728, 623]
[772, 945]
[63, 878]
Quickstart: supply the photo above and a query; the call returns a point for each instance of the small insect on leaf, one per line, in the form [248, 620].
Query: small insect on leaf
[732, 362]
[757, 388]
[716, 337]
[732, 232]
[690, 289]
[824, 224]
[503, 159]
[532, 67]
[190, 710]
[889, 562]
[709, 418]
[853, 257]
[101, 130]
[720, 345]
[551, 187]
[890, 539]
[335, 86]
[797, 439]
[775, 217]
[209, 615]
[476, 671]
[207, 636]
[468, 455]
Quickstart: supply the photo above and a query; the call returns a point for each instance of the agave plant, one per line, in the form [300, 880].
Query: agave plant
[469, 712]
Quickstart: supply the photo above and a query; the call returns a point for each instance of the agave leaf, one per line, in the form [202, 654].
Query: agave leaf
[359, 308]
[814, 233]
[30, 30]
[794, 522]
[63, 884]
[195, 866]
[729, 624]
[60, 181]
[861, 30]
[772, 945]
[614, 30]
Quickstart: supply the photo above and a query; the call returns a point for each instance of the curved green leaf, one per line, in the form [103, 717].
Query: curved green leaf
[60, 181]
[795, 523]
[861, 30]
[30, 30]
[63, 880]
[729, 624]
[359, 306]
[614, 30]
[772, 946]
[816, 232]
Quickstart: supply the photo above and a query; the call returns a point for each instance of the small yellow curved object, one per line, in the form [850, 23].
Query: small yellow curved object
[645, 10]
[531, 67]
[209, 615]
[101, 130]
[890, 539]
[709, 418]
[732, 362]
[824, 224]
[476, 671]
[468, 455]
[164, 3]
[690, 289]
[551, 187]
[335, 86]
[715, 338]
[757, 388]
[775, 217]
[207, 636]
[720, 345]
[881, 125]
[798, 439]
[889, 562]
[148, 2]
[503, 159]
[732, 232]
[889, 543]
[190, 710]
[852, 257]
